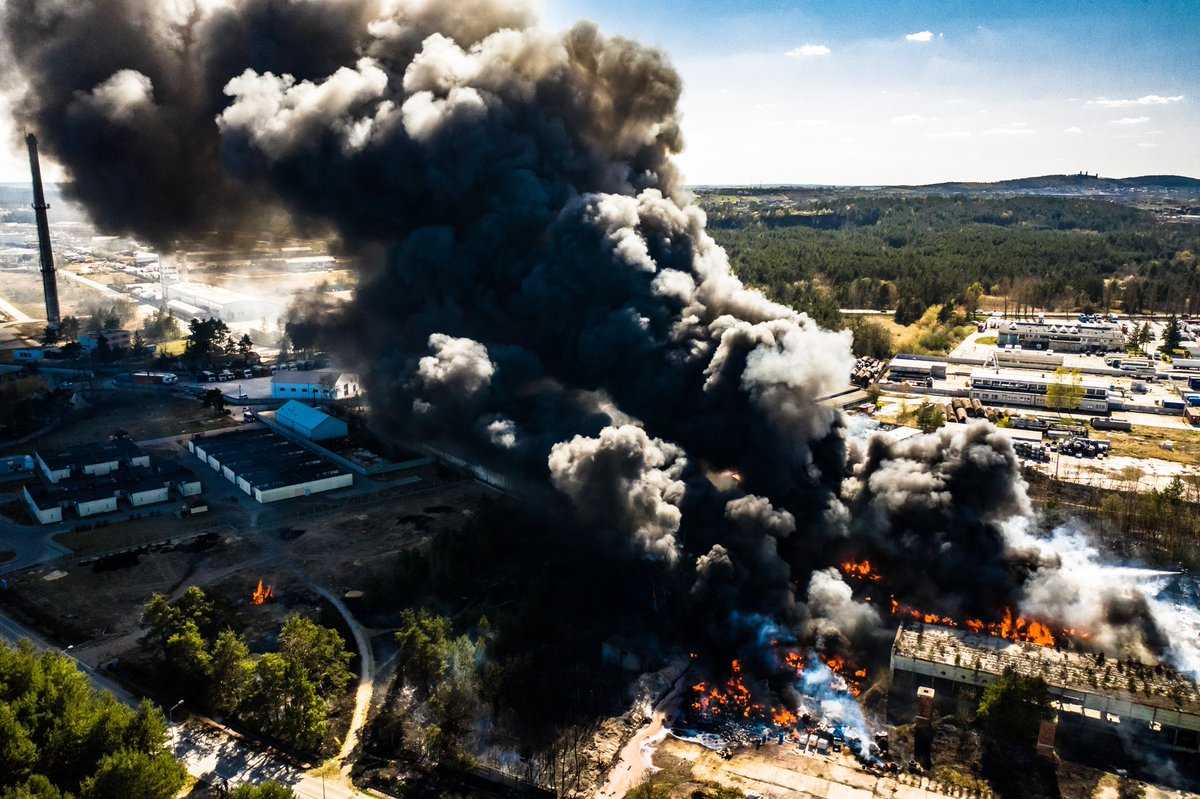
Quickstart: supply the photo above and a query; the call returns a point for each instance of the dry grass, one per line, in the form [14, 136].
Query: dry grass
[1146, 442]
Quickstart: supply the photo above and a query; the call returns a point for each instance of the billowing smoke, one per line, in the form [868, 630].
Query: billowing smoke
[940, 501]
[536, 279]
[627, 480]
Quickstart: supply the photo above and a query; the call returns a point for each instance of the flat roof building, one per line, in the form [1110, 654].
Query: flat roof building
[309, 422]
[902, 368]
[1008, 387]
[1061, 336]
[220, 303]
[319, 384]
[1156, 706]
[267, 466]
[90, 459]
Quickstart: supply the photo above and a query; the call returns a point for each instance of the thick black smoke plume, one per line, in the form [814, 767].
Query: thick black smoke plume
[538, 282]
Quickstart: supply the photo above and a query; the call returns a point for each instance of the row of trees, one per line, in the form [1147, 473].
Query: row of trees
[209, 340]
[286, 694]
[879, 252]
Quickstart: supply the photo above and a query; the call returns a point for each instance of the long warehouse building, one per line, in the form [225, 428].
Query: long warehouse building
[268, 467]
[1156, 706]
[1009, 387]
[1061, 336]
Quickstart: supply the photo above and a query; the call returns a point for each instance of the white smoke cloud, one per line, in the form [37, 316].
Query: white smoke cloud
[628, 480]
[459, 364]
[280, 115]
[121, 96]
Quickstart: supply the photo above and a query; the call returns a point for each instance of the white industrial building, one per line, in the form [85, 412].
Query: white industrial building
[903, 368]
[309, 422]
[201, 300]
[1032, 359]
[1061, 336]
[96, 460]
[1006, 387]
[267, 466]
[93, 479]
[319, 384]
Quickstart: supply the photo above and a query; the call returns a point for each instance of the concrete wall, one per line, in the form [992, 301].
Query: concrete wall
[101, 469]
[102, 505]
[53, 475]
[188, 487]
[43, 515]
[304, 489]
[149, 497]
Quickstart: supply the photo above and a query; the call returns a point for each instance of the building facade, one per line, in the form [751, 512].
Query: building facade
[1061, 337]
[320, 384]
[1157, 707]
[1000, 387]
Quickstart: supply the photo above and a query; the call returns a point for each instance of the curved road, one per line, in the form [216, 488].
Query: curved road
[366, 676]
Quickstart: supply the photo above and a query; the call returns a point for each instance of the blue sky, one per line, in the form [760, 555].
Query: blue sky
[899, 91]
[895, 92]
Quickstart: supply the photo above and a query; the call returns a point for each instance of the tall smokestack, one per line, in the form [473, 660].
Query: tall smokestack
[49, 282]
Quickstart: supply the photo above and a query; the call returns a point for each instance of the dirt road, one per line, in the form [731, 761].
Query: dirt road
[636, 758]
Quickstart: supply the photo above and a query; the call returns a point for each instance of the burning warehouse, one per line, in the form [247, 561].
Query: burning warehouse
[1155, 707]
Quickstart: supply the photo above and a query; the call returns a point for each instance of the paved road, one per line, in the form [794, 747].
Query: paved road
[366, 676]
[208, 751]
[33, 545]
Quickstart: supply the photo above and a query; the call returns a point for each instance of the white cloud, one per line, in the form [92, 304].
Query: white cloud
[1145, 99]
[1074, 130]
[811, 123]
[920, 36]
[1011, 129]
[1128, 121]
[905, 120]
[808, 51]
[949, 134]
[1146, 144]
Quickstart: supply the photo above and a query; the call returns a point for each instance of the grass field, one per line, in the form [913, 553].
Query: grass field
[1146, 442]
[173, 348]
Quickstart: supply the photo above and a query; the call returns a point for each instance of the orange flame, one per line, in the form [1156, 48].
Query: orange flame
[732, 698]
[1010, 627]
[862, 569]
[854, 678]
[262, 594]
[782, 717]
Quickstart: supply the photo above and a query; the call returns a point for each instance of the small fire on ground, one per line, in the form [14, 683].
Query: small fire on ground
[262, 594]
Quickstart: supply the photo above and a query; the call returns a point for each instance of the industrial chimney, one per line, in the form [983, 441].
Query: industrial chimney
[49, 281]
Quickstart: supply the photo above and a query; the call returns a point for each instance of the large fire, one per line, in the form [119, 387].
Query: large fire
[733, 700]
[861, 569]
[1010, 627]
[262, 594]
